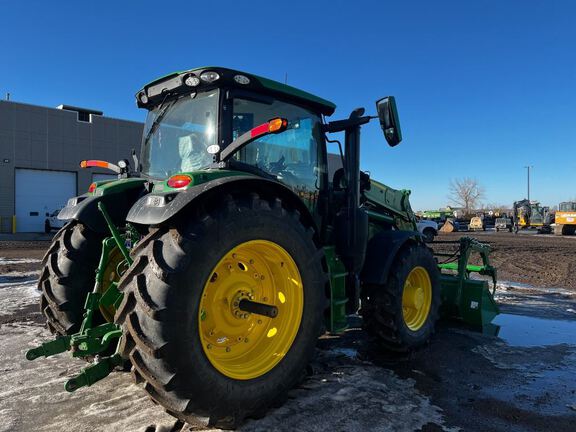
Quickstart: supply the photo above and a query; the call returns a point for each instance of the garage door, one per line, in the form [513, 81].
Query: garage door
[39, 192]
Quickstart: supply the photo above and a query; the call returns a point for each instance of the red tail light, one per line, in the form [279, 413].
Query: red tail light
[179, 181]
[259, 130]
[276, 125]
[92, 188]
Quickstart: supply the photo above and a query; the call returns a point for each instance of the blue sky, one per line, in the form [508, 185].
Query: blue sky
[483, 88]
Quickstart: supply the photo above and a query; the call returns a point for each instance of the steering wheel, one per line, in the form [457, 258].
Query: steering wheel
[279, 165]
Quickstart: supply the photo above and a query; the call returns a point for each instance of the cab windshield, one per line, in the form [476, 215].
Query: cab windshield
[178, 133]
[567, 206]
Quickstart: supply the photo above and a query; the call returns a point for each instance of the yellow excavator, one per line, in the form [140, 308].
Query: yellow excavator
[528, 214]
[566, 219]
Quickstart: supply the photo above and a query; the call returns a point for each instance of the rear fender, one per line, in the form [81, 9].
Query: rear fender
[162, 207]
[381, 252]
[117, 196]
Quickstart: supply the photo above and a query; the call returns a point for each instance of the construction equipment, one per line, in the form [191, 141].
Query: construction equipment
[565, 219]
[440, 214]
[448, 226]
[476, 224]
[454, 225]
[226, 251]
[504, 224]
[528, 214]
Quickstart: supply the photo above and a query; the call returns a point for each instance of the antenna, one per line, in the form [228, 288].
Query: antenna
[286, 78]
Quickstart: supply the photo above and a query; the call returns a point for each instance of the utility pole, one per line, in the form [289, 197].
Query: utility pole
[528, 168]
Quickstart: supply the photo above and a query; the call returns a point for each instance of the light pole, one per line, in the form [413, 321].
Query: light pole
[528, 168]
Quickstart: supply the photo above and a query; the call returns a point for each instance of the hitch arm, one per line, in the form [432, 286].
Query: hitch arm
[47, 349]
[93, 373]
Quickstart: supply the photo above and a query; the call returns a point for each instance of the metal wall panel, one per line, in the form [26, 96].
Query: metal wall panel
[34, 137]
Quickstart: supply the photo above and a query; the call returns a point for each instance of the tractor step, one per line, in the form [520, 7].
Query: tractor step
[337, 322]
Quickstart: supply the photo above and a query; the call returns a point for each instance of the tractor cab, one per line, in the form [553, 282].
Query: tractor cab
[195, 115]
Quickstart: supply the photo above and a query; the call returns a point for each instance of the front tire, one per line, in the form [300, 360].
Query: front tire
[196, 353]
[403, 312]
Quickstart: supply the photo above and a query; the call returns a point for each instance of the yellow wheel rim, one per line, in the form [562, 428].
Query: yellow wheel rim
[244, 345]
[114, 269]
[416, 298]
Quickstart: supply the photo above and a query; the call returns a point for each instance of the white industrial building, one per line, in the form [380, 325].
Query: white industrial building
[40, 152]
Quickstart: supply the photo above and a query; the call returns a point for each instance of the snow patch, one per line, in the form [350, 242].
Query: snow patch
[505, 285]
[14, 278]
[4, 261]
[32, 395]
[352, 397]
[14, 297]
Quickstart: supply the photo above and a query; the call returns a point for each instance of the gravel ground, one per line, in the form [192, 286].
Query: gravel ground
[535, 259]
[524, 380]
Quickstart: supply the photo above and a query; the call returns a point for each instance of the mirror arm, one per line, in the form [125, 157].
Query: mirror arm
[349, 123]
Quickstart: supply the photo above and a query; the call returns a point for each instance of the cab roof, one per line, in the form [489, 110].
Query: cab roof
[175, 82]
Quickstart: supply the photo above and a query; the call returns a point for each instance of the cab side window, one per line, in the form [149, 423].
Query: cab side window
[291, 156]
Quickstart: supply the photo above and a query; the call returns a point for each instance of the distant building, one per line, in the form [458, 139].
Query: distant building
[40, 151]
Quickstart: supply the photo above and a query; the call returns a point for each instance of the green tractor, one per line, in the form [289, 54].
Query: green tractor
[213, 264]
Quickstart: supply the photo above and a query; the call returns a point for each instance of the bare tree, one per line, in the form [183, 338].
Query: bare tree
[466, 193]
[497, 208]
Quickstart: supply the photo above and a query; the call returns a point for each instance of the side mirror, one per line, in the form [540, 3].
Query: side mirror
[388, 115]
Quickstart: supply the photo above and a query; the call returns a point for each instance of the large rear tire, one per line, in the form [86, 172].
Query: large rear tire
[195, 351]
[402, 313]
[67, 276]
